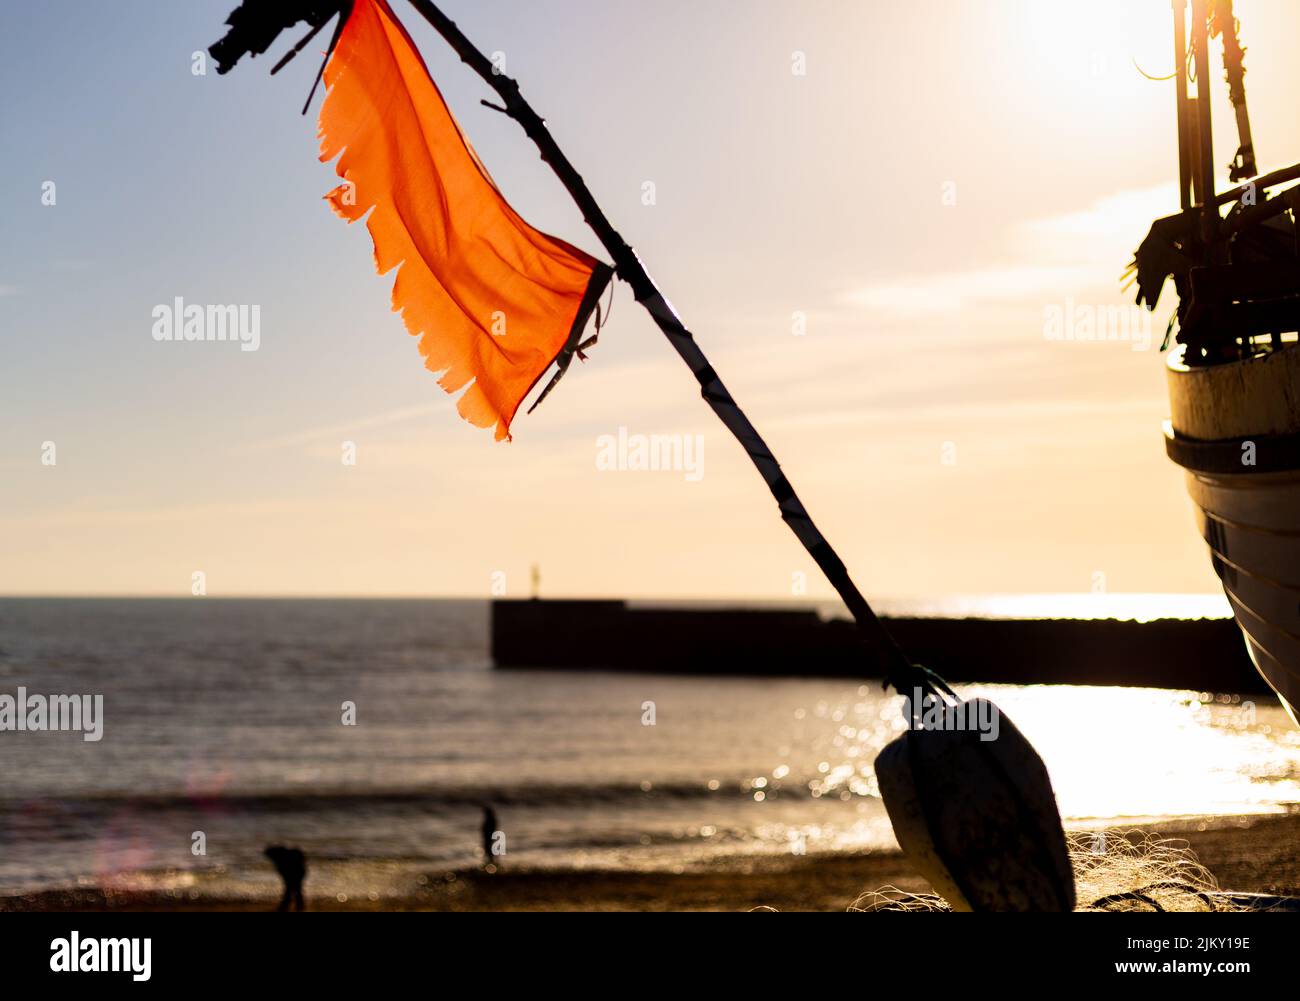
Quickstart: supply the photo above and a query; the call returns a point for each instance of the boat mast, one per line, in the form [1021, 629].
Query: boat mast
[1204, 128]
[1184, 109]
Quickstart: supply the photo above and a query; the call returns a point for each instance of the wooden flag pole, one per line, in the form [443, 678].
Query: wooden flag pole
[894, 663]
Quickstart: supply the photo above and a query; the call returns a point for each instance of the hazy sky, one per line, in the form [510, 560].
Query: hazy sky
[943, 176]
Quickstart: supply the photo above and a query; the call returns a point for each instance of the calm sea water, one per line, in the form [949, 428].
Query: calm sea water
[224, 716]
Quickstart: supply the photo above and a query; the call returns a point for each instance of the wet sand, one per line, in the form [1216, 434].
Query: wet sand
[1248, 854]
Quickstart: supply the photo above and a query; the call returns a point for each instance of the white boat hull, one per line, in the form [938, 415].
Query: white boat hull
[1255, 546]
[1243, 475]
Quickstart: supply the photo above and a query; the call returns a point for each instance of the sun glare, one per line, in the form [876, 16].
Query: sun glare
[1075, 53]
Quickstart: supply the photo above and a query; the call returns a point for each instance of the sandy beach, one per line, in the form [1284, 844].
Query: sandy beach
[1245, 854]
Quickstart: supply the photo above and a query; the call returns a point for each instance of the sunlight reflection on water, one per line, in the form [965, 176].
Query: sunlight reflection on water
[1112, 752]
[1133, 752]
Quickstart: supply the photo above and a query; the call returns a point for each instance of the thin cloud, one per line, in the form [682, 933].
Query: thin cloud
[1026, 410]
[384, 419]
[1121, 216]
[1100, 236]
[102, 513]
[955, 290]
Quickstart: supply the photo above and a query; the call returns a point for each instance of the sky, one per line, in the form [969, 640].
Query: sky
[869, 213]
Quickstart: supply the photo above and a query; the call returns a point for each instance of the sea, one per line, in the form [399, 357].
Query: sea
[372, 734]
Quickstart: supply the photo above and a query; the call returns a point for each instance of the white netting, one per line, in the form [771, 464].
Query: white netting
[1113, 871]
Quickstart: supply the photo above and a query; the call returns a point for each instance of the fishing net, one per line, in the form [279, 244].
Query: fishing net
[1113, 871]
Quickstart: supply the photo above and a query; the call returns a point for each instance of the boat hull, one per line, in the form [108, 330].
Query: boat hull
[1243, 476]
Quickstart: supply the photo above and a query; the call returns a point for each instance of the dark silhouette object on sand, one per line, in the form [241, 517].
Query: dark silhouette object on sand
[291, 864]
[489, 835]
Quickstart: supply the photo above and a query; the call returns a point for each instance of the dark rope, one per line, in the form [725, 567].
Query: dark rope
[1148, 75]
[320, 73]
[1142, 894]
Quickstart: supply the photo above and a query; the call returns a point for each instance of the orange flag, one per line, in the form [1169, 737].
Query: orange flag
[493, 301]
